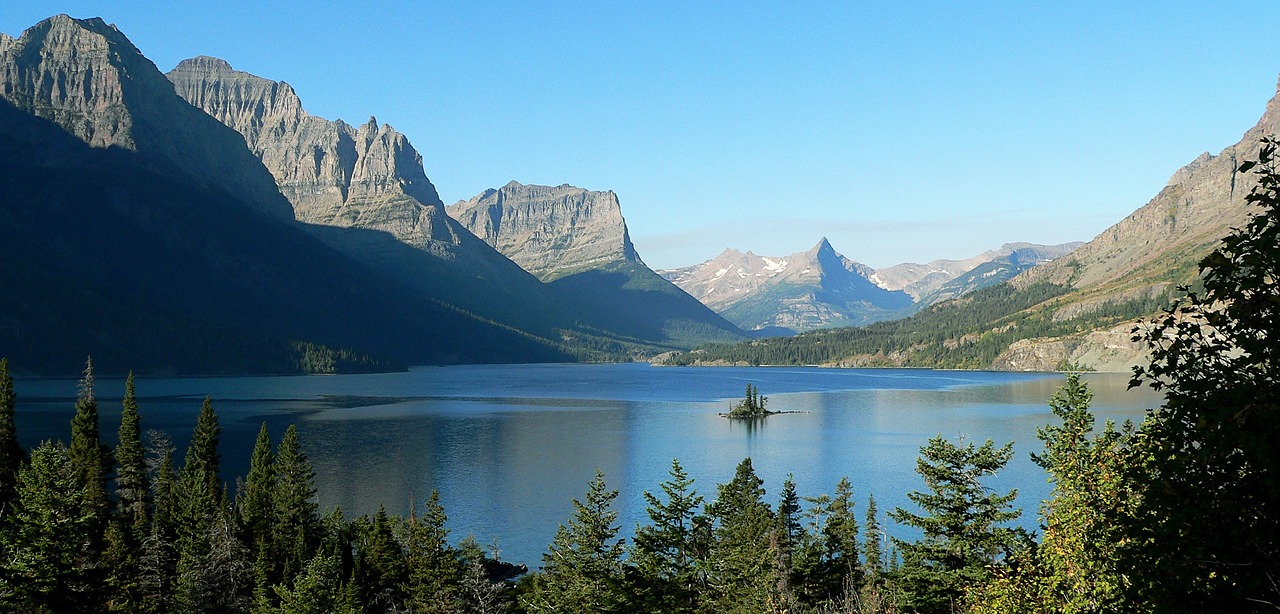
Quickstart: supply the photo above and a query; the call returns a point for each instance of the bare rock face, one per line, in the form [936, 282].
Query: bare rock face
[85, 76]
[332, 173]
[549, 231]
[806, 290]
[1108, 350]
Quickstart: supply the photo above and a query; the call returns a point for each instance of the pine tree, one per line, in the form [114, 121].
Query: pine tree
[1075, 569]
[380, 566]
[318, 590]
[433, 569]
[962, 537]
[88, 454]
[666, 551]
[202, 454]
[841, 533]
[873, 560]
[255, 506]
[131, 473]
[197, 508]
[49, 566]
[582, 569]
[158, 560]
[297, 516]
[740, 570]
[11, 454]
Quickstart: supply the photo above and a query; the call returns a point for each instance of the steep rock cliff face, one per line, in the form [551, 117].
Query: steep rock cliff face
[332, 173]
[806, 290]
[363, 190]
[85, 76]
[549, 231]
[576, 241]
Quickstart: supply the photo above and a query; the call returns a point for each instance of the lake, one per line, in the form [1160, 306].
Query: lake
[510, 446]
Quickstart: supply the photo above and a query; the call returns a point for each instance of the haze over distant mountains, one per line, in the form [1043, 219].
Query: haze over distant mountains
[822, 288]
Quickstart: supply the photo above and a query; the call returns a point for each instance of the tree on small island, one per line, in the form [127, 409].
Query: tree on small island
[752, 406]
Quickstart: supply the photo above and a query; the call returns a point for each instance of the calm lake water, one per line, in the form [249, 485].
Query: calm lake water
[510, 446]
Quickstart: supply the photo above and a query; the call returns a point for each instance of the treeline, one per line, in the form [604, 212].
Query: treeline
[964, 333]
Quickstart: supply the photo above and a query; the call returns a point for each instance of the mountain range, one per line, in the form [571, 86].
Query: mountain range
[1076, 311]
[821, 288]
[203, 222]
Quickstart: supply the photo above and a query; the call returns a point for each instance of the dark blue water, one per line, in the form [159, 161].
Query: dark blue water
[509, 447]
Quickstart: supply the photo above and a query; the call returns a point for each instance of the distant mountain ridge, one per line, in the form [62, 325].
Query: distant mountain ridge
[821, 288]
[923, 281]
[809, 289]
[1076, 311]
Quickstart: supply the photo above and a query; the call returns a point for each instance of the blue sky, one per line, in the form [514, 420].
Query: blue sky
[902, 131]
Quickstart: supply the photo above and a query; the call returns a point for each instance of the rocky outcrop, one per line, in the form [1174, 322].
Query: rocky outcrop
[335, 174]
[549, 231]
[806, 290]
[1109, 350]
[85, 76]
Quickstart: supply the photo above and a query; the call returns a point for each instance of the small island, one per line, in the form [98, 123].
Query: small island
[752, 406]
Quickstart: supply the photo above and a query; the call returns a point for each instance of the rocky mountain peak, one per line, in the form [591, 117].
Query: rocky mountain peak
[815, 288]
[85, 76]
[332, 173]
[549, 231]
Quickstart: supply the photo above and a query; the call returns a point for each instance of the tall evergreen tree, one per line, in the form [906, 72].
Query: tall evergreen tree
[131, 474]
[88, 454]
[380, 566]
[666, 551]
[872, 557]
[740, 570]
[962, 536]
[49, 565]
[158, 560]
[255, 507]
[11, 454]
[297, 515]
[202, 454]
[582, 569]
[127, 532]
[841, 534]
[197, 509]
[433, 569]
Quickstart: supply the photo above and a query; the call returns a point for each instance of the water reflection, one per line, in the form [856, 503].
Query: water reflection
[509, 447]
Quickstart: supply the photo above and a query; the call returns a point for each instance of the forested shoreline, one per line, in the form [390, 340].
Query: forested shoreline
[1179, 513]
